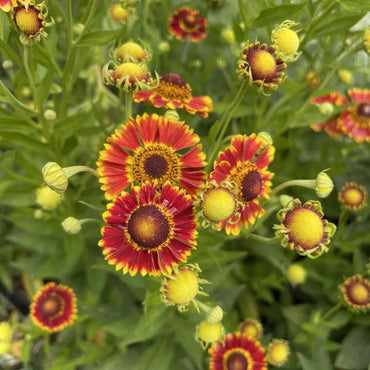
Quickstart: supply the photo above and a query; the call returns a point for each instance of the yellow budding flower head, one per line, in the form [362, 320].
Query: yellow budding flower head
[119, 14]
[131, 52]
[367, 40]
[303, 229]
[215, 315]
[48, 199]
[286, 41]
[228, 35]
[251, 328]
[182, 286]
[5, 332]
[206, 333]
[55, 177]
[278, 352]
[324, 185]
[130, 77]
[356, 293]
[345, 76]
[353, 196]
[296, 274]
[71, 225]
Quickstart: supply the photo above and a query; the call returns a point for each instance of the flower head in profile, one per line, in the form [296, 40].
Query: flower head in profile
[149, 230]
[278, 352]
[54, 307]
[7, 5]
[173, 93]
[286, 41]
[243, 165]
[251, 328]
[186, 24]
[353, 121]
[303, 229]
[352, 196]
[356, 293]
[151, 149]
[261, 67]
[237, 352]
[182, 286]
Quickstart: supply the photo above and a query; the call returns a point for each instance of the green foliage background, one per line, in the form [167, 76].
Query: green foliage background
[248, 276]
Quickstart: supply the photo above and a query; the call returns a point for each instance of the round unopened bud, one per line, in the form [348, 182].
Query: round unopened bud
[197, 63]
[164, 47]
[55, 177]
[50, 114]
[78, 28]
[47, 198]
[118, 14]
[130, 52]
[172, 115]
[38, 213]
[7, 64]
[228, 35]
[266, 137]
[26, 91]
[285, 200]
[71, 225]
[215, 315]
[326, 108]
[324, 185]
[296, 274]
[345, 76]
[220, 62]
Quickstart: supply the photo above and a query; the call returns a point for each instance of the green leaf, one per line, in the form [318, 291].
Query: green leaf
[354, 353]
[13, 124]
[10, 53]
[337, 25]
[98, 38]
[43, 56]
[277, 14]
[307, 364]
[25, 141]
[356, 5]
[297, 314]
[45, 87]
[7, 158]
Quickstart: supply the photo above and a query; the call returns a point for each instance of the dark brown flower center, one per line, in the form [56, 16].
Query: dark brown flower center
[251, 185]
[237, 361]
[174, 79]
[51, 306]
[148, 227]
[155, 166]
[363, 110]
[189, 21]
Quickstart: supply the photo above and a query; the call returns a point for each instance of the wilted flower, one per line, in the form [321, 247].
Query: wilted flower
[303, 228]
[278, 352]
[356, 293]
[53, 307]
[186, 23]
[352, 196]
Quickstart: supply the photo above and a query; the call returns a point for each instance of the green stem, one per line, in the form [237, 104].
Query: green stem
[14, 101]
[92, 8]
[27, 54]
[304, 183]
[128, 105]
[331, 311]
[225, 120]
[261, 238]
[243, 13]
[69, 22]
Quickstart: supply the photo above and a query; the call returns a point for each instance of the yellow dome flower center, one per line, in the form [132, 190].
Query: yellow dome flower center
[183, 287]
[236, 359]
[130, 51]
[251, 330]
[287, 41]
[278, 353]
[262, 65]
[118, 14]
[305, 227]
[359, 293]
[172, 86]
[28, 20]
[209, 333]
[353, 196]
[148, 227]
[218, 204]
[131, 70]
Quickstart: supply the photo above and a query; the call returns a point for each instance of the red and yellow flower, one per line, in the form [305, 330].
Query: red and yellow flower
[54, 307]
[245, 165]
[7, 5]
[353, 121]
[150, 231]
[147, 149]
[173, 93]
[303, 229]
[356, 293]
[237, 352]
[352, 196]
[185, 23]
[260, 67]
